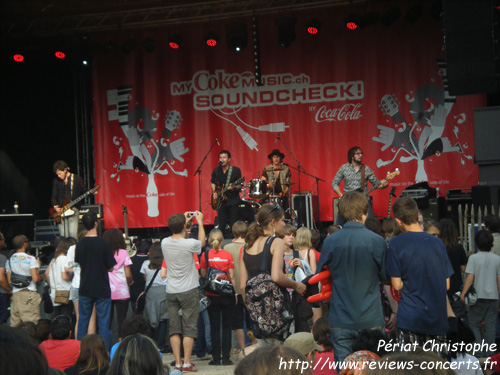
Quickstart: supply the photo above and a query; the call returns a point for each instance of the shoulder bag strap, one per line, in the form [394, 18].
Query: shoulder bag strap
[296, 254]
[265, 253]
[206, 261]
[151, 282]
[52, 265]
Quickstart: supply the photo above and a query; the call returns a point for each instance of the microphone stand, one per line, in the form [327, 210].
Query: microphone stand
[198, 171]
[299, 168]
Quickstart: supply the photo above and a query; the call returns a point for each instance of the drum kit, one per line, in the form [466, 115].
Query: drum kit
[258, 192]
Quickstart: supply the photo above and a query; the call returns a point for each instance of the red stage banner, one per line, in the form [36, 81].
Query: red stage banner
[383, 89]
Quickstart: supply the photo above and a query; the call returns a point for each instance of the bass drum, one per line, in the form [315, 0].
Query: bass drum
[247, 210]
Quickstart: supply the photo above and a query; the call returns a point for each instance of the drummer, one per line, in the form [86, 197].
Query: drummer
[277, 175]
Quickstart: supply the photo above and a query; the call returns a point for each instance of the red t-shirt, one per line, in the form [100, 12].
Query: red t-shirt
[317, 253]
[61, 354]
[222, 260]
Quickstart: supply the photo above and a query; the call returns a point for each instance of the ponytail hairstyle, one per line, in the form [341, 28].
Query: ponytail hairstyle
[265, 215]
[216, 238]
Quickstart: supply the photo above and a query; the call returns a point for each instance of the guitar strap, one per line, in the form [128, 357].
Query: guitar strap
[71, 187]
[229, 176]
[363, 177]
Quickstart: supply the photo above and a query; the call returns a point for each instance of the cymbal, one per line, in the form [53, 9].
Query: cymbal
[288, 183]
[273, 169]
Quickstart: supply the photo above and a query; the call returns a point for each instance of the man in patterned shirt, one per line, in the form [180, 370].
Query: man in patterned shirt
[356, 176]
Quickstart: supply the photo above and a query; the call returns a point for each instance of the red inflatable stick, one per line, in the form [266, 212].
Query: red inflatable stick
[324, 277]
[395, 294]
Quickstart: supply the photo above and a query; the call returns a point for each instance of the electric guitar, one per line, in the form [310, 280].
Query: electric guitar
[390, 176]
[221, 193]
[129, 241]
[66, 210]
[391, 194]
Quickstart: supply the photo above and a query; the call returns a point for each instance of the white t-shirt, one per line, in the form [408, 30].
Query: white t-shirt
[158, 281]
[55, 277]
[70, 263]
[181, 271]
[22, 263]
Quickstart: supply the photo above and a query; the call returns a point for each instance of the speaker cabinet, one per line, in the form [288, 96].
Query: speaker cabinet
[486, 196]
[304, 205]
[470, 46]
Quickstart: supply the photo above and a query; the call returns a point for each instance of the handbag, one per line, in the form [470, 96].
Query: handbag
[217, 281]
[140, 303]
[61, 296]
[17, 280]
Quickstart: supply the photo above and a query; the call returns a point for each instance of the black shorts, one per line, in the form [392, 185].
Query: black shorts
[239, 314]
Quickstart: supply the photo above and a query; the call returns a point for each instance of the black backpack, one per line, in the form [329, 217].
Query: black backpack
[269, 305]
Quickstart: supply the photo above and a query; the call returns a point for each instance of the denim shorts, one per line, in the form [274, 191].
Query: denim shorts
[73, 294]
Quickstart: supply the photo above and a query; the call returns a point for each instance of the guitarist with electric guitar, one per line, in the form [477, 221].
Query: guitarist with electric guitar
[356, 176]
[226, 186]
[68, 191]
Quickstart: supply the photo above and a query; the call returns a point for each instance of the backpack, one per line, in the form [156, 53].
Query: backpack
[268, 305]
[217, 281]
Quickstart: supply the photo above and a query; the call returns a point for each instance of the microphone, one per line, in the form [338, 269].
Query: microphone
[219, 162]
[276, 140]
[216, 140]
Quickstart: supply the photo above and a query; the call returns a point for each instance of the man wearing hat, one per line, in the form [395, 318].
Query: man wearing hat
[304, 343]
[278, 175]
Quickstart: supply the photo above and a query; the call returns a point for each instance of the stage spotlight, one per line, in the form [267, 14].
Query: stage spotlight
[148, 44]
[18, 57]
[212, 39]
[175, 41]
[313, 26]
[414, 13]
[286, 31]
[369, 19]
[352, 21]
[128, 46]
[236, 36]
[108, 47]
[60, 55]
[391, 16]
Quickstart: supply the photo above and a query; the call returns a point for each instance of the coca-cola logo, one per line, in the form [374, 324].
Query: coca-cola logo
[346, 112]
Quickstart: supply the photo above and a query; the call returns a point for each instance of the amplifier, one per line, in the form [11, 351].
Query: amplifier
[97, 208]
[303, 205]
[415, 193]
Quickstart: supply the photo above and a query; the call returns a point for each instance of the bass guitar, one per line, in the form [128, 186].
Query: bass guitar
[390, 176]
[66, 210]
[221, 193]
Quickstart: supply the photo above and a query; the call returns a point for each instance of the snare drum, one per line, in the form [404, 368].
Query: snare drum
[257, 189]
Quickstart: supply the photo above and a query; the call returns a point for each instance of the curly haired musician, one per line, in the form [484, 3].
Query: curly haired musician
[356, 176]
[66, 187]
[223, 176]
